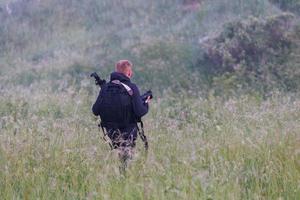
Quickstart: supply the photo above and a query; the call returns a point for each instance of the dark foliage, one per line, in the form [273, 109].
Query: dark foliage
[254, 53]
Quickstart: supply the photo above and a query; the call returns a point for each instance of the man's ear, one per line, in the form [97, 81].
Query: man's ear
[129, 73]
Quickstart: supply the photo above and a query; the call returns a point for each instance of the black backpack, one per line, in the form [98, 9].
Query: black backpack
[116, 105]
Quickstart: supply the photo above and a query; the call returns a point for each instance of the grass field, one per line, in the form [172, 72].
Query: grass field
[245, 148]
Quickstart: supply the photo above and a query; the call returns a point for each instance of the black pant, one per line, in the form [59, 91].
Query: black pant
[122, 137]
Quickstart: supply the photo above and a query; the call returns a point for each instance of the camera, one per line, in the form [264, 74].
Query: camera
[146, 95]
[98, 80]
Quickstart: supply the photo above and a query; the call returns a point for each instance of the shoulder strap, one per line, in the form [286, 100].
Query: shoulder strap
[127, 88]
[142, 135]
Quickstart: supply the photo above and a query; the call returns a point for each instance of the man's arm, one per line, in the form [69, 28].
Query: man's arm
[140, 108]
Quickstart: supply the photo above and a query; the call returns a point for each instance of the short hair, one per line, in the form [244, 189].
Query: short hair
[123, 65]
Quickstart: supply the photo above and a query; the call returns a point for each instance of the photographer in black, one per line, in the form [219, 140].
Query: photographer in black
[120, 107]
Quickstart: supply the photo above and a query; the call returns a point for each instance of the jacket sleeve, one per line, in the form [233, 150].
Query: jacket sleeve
[96, 107]
[139, 107]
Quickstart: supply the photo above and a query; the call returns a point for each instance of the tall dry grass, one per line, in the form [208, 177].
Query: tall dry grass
[200, 148]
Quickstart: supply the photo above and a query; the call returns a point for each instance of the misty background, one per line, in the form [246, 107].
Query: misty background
[228, 46]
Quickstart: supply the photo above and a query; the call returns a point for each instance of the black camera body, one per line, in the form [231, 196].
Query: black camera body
[146, 95]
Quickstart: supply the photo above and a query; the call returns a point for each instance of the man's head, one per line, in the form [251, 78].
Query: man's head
[124, 67]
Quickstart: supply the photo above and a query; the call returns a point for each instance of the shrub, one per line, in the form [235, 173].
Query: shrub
[254, 51]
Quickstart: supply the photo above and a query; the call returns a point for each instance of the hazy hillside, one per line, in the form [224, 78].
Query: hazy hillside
[160, 37]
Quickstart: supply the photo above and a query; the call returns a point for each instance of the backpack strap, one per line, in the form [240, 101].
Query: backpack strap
[127, 88]
[105, 136]
[142, 134]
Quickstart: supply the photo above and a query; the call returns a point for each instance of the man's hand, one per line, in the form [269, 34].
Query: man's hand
[148, 99]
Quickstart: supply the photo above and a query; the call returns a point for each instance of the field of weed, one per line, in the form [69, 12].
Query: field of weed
[240, 148]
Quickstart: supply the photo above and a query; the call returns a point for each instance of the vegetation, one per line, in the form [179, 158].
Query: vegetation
[158, 36]
[246, 54]
[243, 148]
[291, 5]
[224, 123]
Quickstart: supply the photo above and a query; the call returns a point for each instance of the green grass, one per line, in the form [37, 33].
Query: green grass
[244, 148]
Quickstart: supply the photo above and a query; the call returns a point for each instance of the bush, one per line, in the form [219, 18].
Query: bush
[247, 50]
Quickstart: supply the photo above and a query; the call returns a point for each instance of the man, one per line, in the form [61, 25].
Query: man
[120, 107]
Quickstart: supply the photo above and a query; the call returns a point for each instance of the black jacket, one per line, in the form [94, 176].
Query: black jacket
[139, 107]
